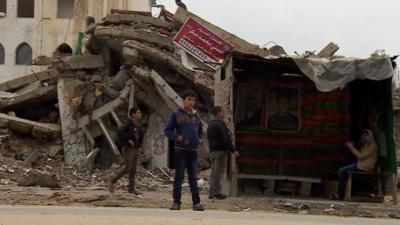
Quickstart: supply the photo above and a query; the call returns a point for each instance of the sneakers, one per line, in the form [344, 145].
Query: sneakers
[134, 191]
[198, 207]
[175, 206]
[218, 196]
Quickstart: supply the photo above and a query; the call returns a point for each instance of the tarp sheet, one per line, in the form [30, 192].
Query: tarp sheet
[329, 75]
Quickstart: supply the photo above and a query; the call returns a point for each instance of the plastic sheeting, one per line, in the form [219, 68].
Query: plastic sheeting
[329, 75]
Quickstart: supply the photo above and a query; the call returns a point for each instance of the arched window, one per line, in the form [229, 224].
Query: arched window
[63, 50]
[2, 54]
[24, 54]
[3, 7]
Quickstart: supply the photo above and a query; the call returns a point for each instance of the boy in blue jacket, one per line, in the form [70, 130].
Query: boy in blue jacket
[185, 129]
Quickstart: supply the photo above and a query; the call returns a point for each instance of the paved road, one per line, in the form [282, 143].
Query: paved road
[112, 216]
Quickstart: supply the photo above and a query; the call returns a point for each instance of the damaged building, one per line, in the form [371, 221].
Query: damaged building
[131, 58]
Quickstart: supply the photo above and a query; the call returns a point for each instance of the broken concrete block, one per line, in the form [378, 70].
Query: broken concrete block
[38, 95]
[33, 157]
[41, 180]
[42, 60]
[328, 51]
[84, 62]
[7, 95]
[90, 29]
[29, 88]
[28, 79]
[36, 130]
[139, 35]
[54, 150]
[118, 19]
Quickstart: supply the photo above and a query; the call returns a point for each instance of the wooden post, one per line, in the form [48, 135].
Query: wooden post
[347, 195]
[110, 140]
[234, 176]
[395, 200]
[116, 118]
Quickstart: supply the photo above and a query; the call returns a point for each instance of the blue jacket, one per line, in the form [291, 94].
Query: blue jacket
[188, 126]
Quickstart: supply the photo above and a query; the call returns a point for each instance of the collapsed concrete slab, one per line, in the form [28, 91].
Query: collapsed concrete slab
[139, 35]
[41, 131]
[84, 62]
[38, 95]
[28, 79]
[129, 19]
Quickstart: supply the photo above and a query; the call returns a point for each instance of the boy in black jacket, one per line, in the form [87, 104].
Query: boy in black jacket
[220, 143]
[130, 139]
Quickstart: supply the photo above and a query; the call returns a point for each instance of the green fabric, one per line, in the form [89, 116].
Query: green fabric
[78, 49]
[382, 144]
[344, 106]
[388, 164]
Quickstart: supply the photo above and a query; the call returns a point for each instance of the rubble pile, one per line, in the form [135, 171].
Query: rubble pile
[70, 113]
[49, 170]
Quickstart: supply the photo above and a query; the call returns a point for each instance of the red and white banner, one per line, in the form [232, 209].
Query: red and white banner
[202, 43]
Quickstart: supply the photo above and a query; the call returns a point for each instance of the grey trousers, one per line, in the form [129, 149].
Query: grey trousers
[218, 165]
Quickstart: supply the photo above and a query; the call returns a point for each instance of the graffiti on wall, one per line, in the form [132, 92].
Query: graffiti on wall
[158, 145]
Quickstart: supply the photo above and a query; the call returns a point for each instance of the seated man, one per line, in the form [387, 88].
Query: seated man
[366, 160]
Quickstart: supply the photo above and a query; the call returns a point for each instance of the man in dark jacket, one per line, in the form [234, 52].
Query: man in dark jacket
[184, 128]
[130, 139]
[220, 143]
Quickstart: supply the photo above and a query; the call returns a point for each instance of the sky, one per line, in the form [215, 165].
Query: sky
[359, 27]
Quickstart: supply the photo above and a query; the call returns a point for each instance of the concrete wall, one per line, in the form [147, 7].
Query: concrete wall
[45, 32]
[156, 143]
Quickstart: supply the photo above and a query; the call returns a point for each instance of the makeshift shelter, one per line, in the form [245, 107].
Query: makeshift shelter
[291, 116]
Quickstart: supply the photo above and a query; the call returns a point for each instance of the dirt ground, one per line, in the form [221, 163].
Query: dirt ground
[98, 196]
[82, 189]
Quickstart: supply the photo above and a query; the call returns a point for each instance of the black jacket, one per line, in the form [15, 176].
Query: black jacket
[218, 136]
[130, 132]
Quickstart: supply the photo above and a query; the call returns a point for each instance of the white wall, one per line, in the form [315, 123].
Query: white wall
[46, 32]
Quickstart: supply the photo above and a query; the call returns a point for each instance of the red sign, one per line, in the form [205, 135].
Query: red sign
[202, 43]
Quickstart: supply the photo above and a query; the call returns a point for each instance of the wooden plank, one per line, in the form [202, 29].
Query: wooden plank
[107, 108]
[234, 176]
[28, 79]
[347, 194]
[110, 141]
[273, 177]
